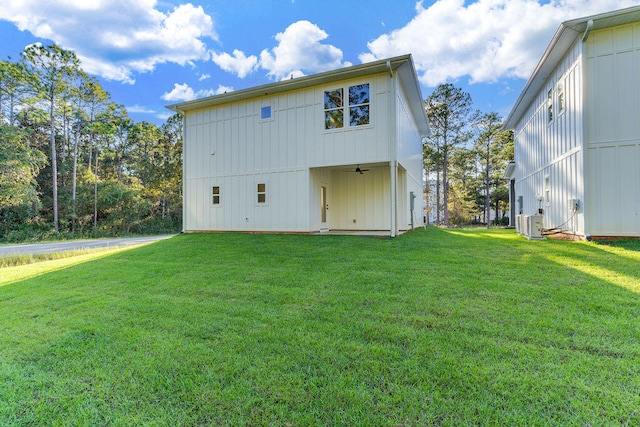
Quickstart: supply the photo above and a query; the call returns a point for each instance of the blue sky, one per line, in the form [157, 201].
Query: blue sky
[152, 53]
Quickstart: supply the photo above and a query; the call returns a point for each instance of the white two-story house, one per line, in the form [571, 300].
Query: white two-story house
[339, 150]
[577, 130]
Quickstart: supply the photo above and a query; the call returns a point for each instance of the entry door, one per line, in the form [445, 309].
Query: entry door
[323, 206]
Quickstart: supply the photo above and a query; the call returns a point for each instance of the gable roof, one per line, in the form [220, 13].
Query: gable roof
[402, 66]
[565, 36]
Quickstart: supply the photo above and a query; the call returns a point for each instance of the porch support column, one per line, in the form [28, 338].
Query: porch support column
[393, 171]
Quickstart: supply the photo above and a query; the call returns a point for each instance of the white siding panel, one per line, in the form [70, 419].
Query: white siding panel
[605, 98]
[627, 117]
[615, 206]
[411, 162]
[360, 201]
[629, 160]
[613, 138]
[607, 198]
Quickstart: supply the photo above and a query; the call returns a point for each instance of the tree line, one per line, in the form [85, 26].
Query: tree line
[72, 162]
[464, 160]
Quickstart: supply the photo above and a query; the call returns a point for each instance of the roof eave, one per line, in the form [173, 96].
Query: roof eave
[508, 172]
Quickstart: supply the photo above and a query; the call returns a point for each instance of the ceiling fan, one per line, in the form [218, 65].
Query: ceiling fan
[358, 170]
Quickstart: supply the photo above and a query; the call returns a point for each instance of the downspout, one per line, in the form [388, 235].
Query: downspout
[184, 157]
[393, 170]
[587, 30]
[585, 190]
[393, 163]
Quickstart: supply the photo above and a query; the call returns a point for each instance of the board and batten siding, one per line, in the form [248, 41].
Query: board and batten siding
[359, 202]
[230, 146]
[548, 153]
[612, 111]
[409, 155]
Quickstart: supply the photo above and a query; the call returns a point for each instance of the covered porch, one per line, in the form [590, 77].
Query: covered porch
[359, 198]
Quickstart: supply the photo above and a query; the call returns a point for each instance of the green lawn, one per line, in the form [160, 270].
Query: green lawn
[435, 327]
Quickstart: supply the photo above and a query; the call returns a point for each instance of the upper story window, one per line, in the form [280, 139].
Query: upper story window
[359, 105]
[265, 112]
[333, 109]
[357, 109]
[560, 90]
[550, 106]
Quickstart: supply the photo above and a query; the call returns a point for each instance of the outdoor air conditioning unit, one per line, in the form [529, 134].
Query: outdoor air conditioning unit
[533, 227]
[519, 224]
[524, 225]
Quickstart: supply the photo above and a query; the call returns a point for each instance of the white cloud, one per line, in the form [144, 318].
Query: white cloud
[300, 50]
[183, 92]
[486, 40]
[204, 77]
[116, 39]
[180, 92]
[139, 109]
[164, 116]
[238, 63]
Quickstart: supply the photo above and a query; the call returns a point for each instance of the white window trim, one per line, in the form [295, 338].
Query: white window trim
[219, 204]
[548, 107]
[345, 107]
[266, 193]
[561, 89]
[270, 118]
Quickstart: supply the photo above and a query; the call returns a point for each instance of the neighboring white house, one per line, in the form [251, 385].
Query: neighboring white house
[339, 150]
[577, 130]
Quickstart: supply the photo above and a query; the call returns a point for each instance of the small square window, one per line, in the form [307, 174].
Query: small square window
[262, 193]
[216, 195]
[265, 112]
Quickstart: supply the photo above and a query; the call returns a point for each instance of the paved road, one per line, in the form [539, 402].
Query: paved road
[41, 248]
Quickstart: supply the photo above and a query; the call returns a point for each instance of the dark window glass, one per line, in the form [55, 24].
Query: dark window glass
[359, 105]
[333, 99]
[359, 115]
[333, 109]
[333, 119]
[359, 94]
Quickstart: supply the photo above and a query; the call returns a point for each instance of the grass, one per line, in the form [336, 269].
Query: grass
[435, 327]
[24, 259]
